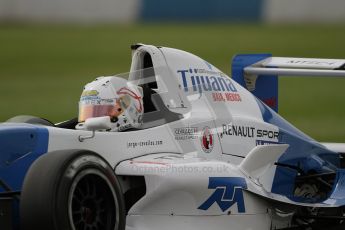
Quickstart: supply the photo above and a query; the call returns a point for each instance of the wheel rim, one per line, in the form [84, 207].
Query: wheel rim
[92, 202]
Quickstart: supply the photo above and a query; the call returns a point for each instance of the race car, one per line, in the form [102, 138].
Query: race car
[174, 144]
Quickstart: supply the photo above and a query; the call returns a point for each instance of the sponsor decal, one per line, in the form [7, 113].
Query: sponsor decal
[207, 141]
[186, 133]
[148, 143]
[227, 192]
[262, 142]
[88, 93]
[312, 62]
[248, 131]
[124, 127]
[200, 80]
[223, 97]
[267, 133]
[90, 97]
[205, 80]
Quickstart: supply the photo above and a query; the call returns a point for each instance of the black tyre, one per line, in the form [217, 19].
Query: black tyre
[30, 120]
[71, 190]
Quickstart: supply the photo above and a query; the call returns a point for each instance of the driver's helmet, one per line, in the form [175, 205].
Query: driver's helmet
[114, 97]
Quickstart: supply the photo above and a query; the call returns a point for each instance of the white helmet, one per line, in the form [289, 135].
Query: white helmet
[114, 97]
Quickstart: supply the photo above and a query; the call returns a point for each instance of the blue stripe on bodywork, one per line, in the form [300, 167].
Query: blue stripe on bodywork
[20, 146]
[303, 152]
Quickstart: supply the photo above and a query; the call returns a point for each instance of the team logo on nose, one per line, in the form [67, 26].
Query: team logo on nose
[207, 141]
[227, 192]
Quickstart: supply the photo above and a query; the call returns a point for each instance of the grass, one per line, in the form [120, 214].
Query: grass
[44, 67]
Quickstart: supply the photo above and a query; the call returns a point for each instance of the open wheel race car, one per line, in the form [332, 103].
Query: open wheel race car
[174, 144]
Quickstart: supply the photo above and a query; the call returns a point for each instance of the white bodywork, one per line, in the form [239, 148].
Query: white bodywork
[216, 136]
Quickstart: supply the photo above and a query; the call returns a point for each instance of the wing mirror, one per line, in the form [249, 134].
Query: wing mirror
[94, 124]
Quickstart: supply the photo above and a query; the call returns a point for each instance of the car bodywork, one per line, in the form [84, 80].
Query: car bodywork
[210, 153]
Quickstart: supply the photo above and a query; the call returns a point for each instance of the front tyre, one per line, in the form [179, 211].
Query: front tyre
[71, 190]
[30, 120]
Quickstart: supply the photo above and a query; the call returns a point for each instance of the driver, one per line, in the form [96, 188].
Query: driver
[114, 97]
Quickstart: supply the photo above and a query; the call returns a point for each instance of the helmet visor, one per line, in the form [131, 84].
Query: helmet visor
[89, 111]
[112, 110]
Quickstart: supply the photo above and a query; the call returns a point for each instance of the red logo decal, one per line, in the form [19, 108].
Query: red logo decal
[207, 141]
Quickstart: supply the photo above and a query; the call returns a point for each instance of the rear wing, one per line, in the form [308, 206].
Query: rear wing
[259, 72]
